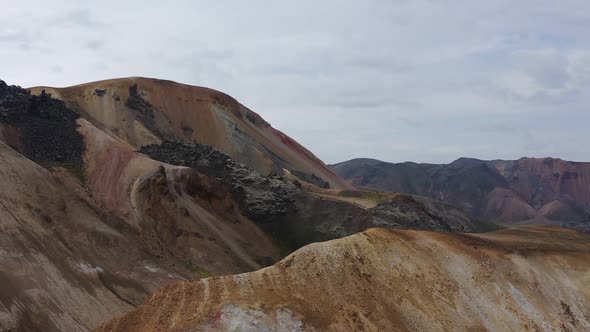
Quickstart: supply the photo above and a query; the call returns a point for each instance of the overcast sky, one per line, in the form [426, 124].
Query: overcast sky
[398, 80]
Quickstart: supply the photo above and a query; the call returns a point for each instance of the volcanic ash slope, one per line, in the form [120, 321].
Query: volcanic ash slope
[385, 280]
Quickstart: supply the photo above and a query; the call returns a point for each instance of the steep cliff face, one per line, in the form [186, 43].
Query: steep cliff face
[516, 279]
[143, 111]
[542, 191]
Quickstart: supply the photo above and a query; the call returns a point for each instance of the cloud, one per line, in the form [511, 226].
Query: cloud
[79, 17]
[387, 63]
[545, 75]
[518, 83]
[347, 78]
[94, 45]
[499, 128]
[366, 102]
[11, 36]
[548, 67]
[579, 66]
[518, 136]
[57, 69]
[411, 122]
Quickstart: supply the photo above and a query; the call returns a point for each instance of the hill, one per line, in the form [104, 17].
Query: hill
[534, 191]
[111, 190]
[143, 111]
[383, 280]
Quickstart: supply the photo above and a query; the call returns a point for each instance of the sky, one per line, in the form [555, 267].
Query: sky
[397, 80]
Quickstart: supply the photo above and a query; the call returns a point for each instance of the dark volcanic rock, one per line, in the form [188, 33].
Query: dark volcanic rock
[295, 217]
[148, 114]
[417, 212]
[263, 199]
[409, 213]
[100, 92]
[42, 128]
[312, 178]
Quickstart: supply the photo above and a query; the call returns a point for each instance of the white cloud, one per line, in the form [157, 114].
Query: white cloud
[579, 66]
[546, 74]
[406, 70]
[518, 83]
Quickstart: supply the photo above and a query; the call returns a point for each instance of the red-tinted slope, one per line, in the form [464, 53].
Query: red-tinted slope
[142, 111]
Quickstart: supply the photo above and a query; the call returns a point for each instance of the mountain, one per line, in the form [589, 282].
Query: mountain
[384, 280]
[114, 189]
[117, 190]
[90, 227]
[143, 111]
[535, 191]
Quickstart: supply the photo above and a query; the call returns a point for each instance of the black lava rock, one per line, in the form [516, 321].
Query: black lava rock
[46, 129]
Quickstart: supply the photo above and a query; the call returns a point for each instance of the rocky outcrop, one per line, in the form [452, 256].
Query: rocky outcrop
[296, 218]
[417, 212]
[264, 199]
[40, 127]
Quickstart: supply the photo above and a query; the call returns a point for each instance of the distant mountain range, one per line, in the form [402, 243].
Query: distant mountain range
[545, 191]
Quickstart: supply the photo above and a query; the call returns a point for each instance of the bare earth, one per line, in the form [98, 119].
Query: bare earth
[92, 229]
[523, 279]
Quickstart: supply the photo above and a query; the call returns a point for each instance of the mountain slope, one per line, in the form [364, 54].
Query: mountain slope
[516, 279]
[545, 191]
[94, 219]
[143, 111]
[61, 266]
[90, 227]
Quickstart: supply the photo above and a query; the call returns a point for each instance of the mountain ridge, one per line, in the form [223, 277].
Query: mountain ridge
[530, 190]
[389, 280]
[166, 110]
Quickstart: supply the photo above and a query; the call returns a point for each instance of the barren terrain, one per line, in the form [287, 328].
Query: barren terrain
[524, 279]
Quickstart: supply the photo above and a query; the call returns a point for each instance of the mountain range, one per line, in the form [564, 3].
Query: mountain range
[540, 191]
[149, 205]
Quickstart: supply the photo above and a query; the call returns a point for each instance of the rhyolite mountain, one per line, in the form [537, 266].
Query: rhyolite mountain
[544, 191]
[386, 280]
[143, 111]
[113, 189]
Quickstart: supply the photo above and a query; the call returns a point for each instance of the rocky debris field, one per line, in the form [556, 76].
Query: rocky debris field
[41, 127]
[411, 212]
[262, 199]
[294, 217]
